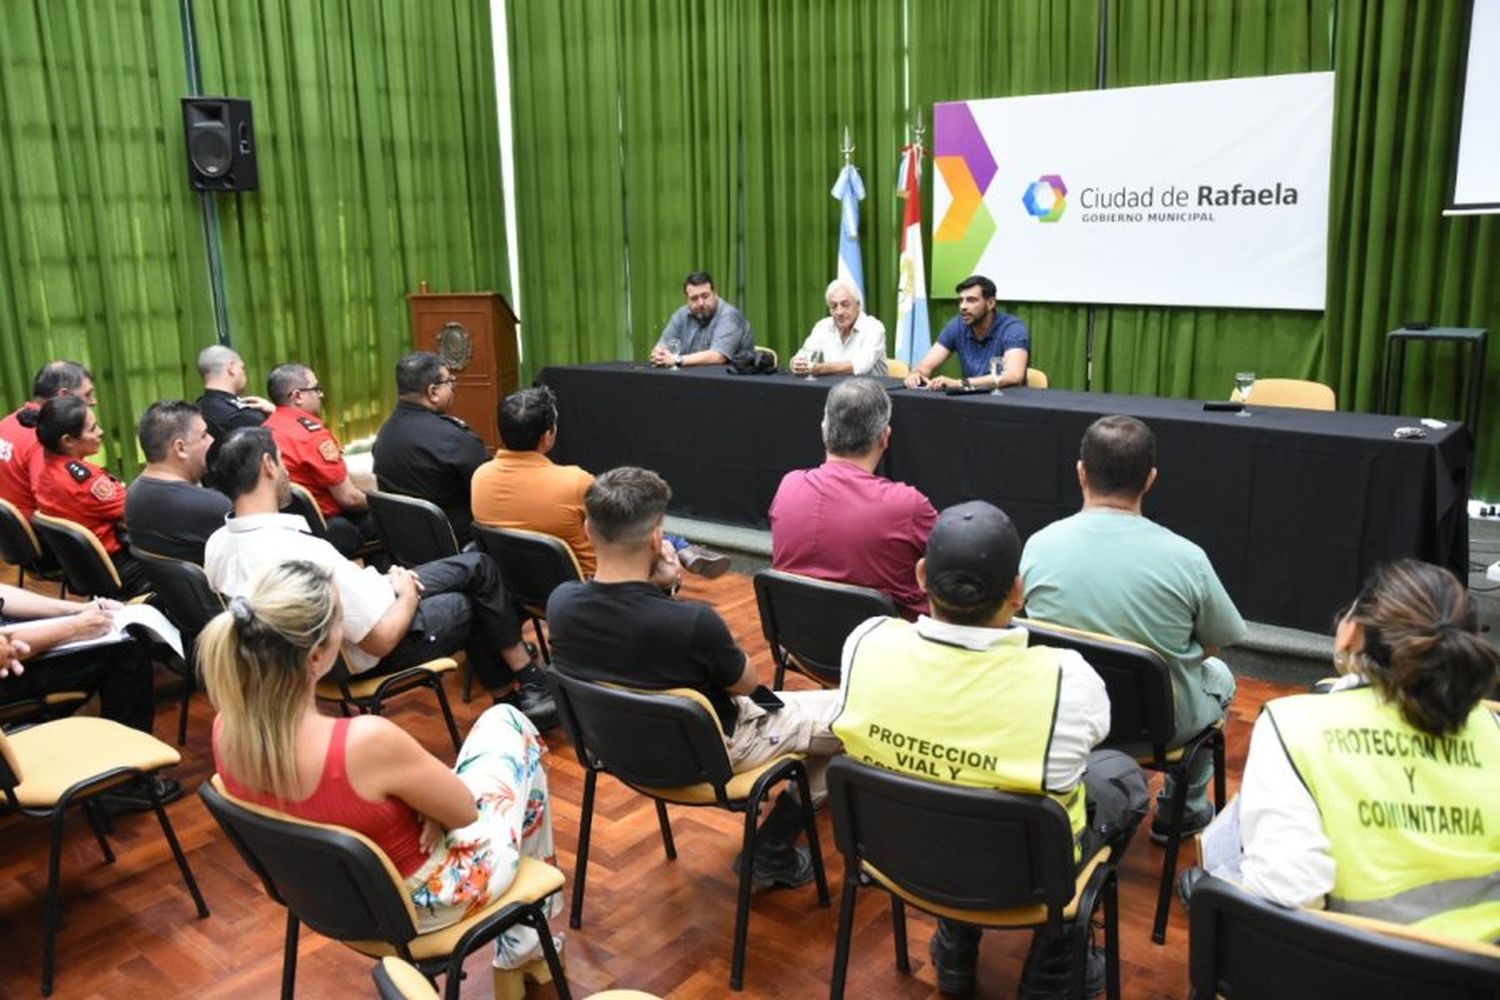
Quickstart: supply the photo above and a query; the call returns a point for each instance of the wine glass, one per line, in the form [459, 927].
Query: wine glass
[814, 358]
[674, 348]
[1244, 382]
[996, 365]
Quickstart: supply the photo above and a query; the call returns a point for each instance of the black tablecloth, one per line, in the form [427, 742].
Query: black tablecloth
[1294, 507]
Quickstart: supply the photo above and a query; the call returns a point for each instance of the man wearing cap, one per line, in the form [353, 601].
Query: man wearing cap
[1110, 569]
[959, 698]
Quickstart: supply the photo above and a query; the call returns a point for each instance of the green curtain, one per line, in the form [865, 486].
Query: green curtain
[965, 49]
[379, 165]
[102, 248]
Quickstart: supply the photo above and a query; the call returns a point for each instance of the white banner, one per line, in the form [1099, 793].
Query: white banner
[1192, 194]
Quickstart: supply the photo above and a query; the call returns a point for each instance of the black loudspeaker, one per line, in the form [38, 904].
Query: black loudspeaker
[220, 136]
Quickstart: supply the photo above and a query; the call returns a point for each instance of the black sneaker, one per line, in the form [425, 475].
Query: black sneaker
[783, 871]
[1049, 980]
[953, 964]
[1193, 822]
[134, 797]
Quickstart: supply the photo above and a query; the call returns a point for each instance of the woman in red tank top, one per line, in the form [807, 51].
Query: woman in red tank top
[455, 836]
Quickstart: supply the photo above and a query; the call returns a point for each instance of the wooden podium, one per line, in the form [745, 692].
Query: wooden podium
[475, 334]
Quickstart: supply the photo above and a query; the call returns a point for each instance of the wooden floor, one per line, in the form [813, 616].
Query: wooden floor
[650, 925]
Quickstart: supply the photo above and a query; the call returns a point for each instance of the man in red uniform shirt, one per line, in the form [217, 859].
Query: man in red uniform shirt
[314, 458]
[20, 454]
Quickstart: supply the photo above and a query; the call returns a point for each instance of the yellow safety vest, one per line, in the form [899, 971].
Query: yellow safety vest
[966, 717]
[1413, 819]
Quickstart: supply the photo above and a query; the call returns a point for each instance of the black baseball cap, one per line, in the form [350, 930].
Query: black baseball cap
[973, 555]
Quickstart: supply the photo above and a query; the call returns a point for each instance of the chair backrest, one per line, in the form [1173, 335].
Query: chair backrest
[1137, 679]
[399, 980]
[897, 369]
[303, 505]
[1295, 392]
[531, 563]
[10, 769]
[810, 619]
[191, 600]
[19, 545]
[85, 565]
[416, 531]
[650, 739]
[335, 880]
[1036, 379]
[965, 848]
[1243, 947]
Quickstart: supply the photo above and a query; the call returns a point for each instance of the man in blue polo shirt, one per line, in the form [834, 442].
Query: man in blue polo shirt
[979, 332]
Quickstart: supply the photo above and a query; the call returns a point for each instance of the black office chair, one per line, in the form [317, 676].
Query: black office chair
[668, 746]
[532, 564]
[1139, 684]
[20, 546]
[191, 602]
[366, 695]
[1245, 948]
[416, 531]
[343, 886]
[805, 621]
[86, 567]
[978, 855]
[304, 506]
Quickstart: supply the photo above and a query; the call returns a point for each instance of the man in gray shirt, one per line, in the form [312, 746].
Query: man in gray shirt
[707, 331]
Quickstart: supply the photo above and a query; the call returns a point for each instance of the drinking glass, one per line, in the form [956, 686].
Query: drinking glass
[802, 356]
[813, 358]
[674, 348]
[996, 366]
[1244, 382]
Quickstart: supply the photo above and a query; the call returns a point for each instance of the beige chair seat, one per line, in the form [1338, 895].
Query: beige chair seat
[363, 686]
[737, 789]
[1020, 916]
[64, 752]
[534, 880]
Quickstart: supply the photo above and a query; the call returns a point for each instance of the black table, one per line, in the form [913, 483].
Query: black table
[1294, 507]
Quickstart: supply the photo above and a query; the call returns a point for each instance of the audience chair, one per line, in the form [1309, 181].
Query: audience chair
[184, 590]
[1036, 379]
[805, 621]
[1139, 684]
[416, 531]
[86, 567]
[51, 706]
[303, 505]
[339, 883]
[532, 564]
[668, 746]
[1246, 948]
[398, 980]
[20, 547]
[367, 695]
[896, 369]
[979, 855]
[49, 767]
[1294, 392]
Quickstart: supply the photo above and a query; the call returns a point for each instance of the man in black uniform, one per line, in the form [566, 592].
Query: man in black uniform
[224, 409]
[422, 451]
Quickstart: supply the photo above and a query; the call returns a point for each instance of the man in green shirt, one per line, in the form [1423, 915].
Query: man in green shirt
[1110, 569]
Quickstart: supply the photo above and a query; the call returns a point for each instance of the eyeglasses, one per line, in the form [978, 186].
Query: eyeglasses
[450, 380]
[311, 388]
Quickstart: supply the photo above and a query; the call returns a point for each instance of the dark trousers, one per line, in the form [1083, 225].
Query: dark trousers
[347, 532]
[464, 606]
[120, 673]
[133, 579]
[1117, 802]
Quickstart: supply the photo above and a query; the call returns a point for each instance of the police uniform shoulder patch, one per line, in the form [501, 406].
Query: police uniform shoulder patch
[329, 450]
[456, 421]
[310, 423]
[79, 471]
[103, 488]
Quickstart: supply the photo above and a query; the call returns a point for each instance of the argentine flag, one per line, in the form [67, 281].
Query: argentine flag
[850, 191]
[913, 334]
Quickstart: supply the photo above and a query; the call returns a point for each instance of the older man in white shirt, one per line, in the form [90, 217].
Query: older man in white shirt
[850, 340]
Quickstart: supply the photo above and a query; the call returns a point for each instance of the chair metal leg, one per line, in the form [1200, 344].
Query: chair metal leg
[537, 919]
[289, 959]
[442, 700]
[742, 903]
[847, 900]
[171, 835]
[814, 848]
[581, 865]
[468, 681]
[182, 713]
[1112, 937]
[1217, 742]
[541, 641]
[91, 810]
[780, 658]
[898, 934]
[53, 910]
[666, 830]
[1178, 807]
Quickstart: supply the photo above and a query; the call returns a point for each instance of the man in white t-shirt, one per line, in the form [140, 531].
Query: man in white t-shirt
[851, 341]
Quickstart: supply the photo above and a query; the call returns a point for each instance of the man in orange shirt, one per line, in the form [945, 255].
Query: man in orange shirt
[314, 458]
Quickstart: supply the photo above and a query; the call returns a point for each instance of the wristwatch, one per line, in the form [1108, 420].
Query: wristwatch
[966, 383]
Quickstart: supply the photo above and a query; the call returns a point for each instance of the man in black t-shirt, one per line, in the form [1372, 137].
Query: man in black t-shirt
[166, 510]
[625, 626]
[224, 409]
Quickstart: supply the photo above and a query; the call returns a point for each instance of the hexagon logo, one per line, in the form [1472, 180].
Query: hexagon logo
[1046, 198]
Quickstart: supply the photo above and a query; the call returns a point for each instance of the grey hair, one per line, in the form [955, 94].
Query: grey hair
[856, 412]
[213, 359]
[838, 283]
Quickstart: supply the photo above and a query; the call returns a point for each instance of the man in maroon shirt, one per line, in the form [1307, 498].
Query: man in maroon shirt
[841, 521]
[20, 453]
